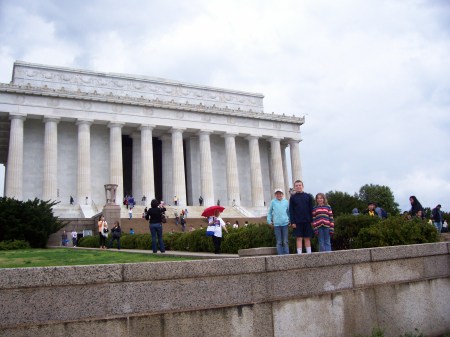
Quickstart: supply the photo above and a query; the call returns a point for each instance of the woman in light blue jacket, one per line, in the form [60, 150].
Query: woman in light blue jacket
[278, 216]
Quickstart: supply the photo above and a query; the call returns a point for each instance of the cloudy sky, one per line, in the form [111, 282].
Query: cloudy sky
[371, 77]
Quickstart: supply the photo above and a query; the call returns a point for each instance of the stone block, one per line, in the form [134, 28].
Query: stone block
[347, 313]
[190, 269]
[308, 282]
[260, 251]
[405, 251]
[57, 276]
[316, 260]
[414, 307]
[404, 270]
[65, 303]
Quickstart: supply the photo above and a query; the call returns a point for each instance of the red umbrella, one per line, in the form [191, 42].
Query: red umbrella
[211, 210]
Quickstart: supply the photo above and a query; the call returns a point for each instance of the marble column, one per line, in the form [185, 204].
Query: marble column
[136, 163]
[232, 170]
[84, 161]
[296, 166]
[147, 171]
[14, 166]
[276, 163]
[166, 147]
[50, 181]
[285, 170]
[255, 172]
[115, 159]
[206, 175]
[178, 178]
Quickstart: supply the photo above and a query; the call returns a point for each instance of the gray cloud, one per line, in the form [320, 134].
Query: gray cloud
[372, 77]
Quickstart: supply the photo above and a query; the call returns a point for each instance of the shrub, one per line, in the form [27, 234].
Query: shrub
[396, 231]
[14, 245]
[30, 221]
[89, 241]
[347, 227]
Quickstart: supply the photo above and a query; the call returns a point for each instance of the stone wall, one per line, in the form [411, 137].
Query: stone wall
[344, 293]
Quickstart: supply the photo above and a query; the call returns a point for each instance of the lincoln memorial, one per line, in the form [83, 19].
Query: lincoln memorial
[68, 132]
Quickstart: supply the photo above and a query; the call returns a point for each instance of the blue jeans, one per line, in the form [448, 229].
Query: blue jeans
[281, 235]
[438, 225]
[324, 239]
[156, 231]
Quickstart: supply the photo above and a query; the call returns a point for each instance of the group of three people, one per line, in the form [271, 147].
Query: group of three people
[305, 218]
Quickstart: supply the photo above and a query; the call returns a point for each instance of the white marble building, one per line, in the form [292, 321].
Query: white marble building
[68, 132]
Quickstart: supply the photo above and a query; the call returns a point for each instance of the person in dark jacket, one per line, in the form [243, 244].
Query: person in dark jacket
[116, 232]
[155, 223]
[300, 214]
[416, 207]
[436, 215]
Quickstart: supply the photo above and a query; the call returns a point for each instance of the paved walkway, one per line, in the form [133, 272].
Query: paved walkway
[167, 253]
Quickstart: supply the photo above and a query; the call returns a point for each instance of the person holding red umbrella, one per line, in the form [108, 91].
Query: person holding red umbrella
[218, 224]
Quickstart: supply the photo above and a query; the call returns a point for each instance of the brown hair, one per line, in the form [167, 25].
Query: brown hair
[325, 201]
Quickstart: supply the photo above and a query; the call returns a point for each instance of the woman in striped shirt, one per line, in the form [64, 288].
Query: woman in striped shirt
[323, 222]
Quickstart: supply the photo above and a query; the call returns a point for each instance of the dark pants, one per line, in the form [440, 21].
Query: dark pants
[102, 240]
[74, 241]
[111, 242]
[156, 231]
[217, 243]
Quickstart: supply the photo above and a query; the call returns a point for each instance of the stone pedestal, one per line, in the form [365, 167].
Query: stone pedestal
[111, 213]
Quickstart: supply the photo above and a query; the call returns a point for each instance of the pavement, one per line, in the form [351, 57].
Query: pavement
[195, 255]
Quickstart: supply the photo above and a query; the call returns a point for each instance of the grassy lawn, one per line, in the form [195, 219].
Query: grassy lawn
[72, 257]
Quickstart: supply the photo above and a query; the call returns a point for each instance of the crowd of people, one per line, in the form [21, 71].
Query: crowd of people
[307, 216]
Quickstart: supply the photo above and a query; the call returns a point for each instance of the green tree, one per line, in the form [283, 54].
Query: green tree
[343, 203]
[381, 195]
[31, 221]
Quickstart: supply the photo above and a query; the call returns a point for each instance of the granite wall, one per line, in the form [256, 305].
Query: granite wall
[400, 289]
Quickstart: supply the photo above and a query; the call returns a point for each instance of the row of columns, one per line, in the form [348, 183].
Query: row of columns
[14, 173]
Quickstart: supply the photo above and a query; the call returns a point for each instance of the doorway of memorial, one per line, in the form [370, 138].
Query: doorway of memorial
[127, 166]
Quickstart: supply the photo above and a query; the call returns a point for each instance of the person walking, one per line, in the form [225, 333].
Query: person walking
[155, 223]
[278, 217]
[64, 238]
[74, 238]
[300, 213]
[218, 224]
[323, 222]
[130, 213]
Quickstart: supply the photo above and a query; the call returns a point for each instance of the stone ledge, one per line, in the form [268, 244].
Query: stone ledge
[261, 251]
[405, 251]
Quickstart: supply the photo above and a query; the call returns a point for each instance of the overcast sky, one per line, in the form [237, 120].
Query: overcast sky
[372, 77]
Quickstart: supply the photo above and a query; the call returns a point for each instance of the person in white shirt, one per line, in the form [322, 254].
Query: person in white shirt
[74, 237]
[217, 221]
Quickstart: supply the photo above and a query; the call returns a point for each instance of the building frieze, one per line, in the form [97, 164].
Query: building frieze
[86, 99]
[132, 86]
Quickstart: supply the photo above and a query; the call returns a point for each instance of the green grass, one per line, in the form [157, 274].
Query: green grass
[72, 257]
